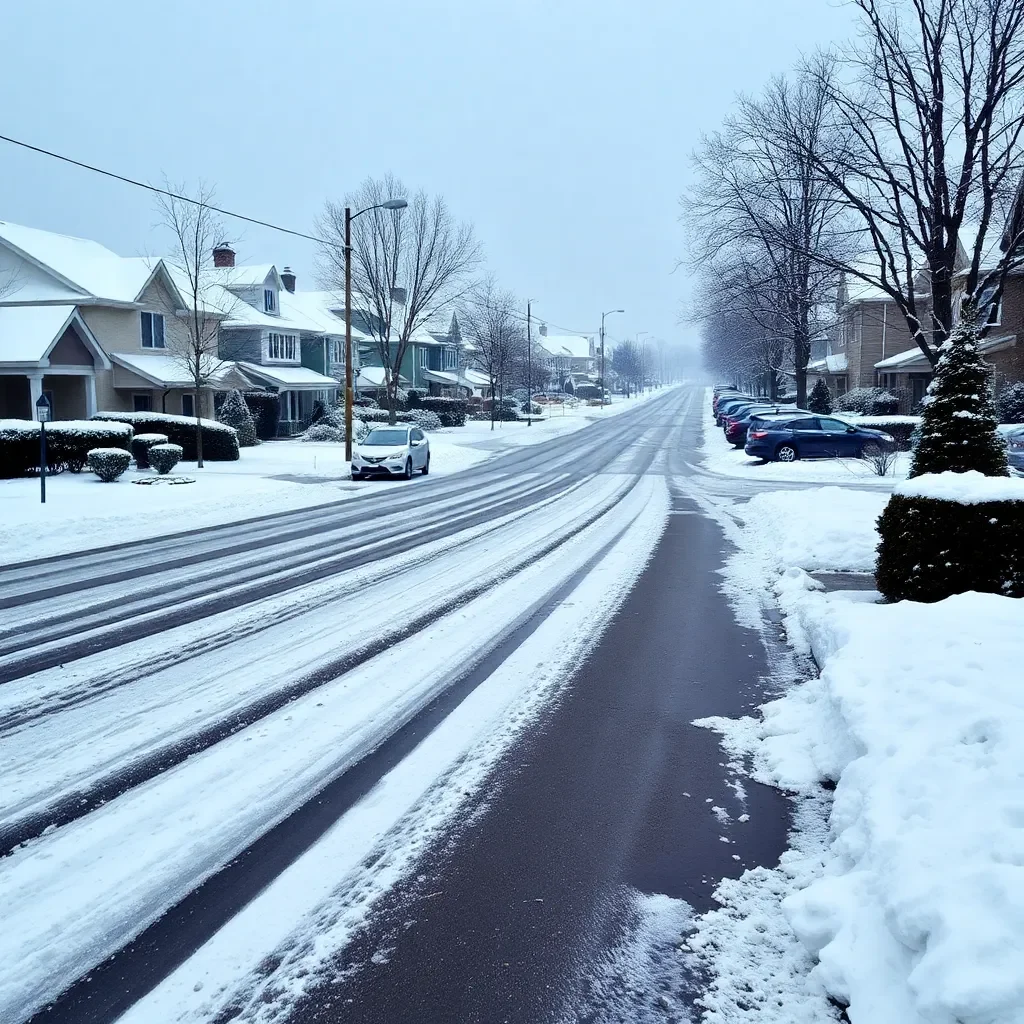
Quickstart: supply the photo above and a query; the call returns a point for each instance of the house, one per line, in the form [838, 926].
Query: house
[90, 329]
[567, 355]
[265, 331]
[868, 327]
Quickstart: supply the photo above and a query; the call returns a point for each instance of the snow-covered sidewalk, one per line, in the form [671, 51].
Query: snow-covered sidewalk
[278, 476]
[902, 897]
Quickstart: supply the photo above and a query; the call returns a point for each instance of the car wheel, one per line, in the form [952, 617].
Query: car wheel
[426, 465]
[786, 453]
[407, 475]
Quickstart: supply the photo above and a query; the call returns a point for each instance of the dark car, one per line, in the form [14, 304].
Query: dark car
[731, 405]
[812, 437]
[737, 425]
[741, 410]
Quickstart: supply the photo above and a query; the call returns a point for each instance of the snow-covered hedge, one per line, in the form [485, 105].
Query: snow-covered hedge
[324, 432]
[141, 443]
[220, 442]
[425, 419]
[902, 428]
[949, 533]
[379, 416]
[869, 401]
[164, 457]
[451, 411]
[108, 463]
[67, 444]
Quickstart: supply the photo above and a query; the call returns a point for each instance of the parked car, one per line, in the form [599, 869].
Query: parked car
[813, 437]
[730, 405]
[737, 425]
[1015, 448]
[739, 411]
[391, 451]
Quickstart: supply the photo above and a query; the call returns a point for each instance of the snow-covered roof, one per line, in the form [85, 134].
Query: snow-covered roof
[166, 371]
[289, 378]
[835, 363]
[85, 265]
[912, 358]
[318, 308]
[477, 378]
[373, 377]
[573, 345]
[244, 275]
[28, 332]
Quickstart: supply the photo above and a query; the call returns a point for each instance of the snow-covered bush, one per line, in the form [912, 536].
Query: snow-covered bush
[531, 410]
[820, 398]
[68, 443]
[141, 443]
[905, 430]
[365, 402]
[220, 442]
[164, 457]
[265, 407]
[1011, 403]
[378, 416]
[451, 411]
[235, 413]
[948, 533]
[108, 463]
[425, 419]
[868, 401]
[321, 432]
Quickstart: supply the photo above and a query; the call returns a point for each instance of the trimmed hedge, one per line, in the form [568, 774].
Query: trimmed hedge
[932, 548]
[108, 463]
[380, 416]
[234, 412]
[902, 428]
[265, 407]
[68, 443]
[324, 432]
[869, 401]
[165, 457]
[220, 442]
[450, 411]
[425, 419]
[141, 443]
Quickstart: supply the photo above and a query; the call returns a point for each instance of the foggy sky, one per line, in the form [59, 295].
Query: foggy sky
[561, 128]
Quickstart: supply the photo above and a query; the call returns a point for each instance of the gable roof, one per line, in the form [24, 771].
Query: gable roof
[85, 266]
[573, 345]
[29, 333]
[246, 275]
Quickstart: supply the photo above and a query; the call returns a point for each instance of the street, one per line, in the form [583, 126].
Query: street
[420, 756]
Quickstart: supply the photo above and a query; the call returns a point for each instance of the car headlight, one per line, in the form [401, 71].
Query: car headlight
[396, 458]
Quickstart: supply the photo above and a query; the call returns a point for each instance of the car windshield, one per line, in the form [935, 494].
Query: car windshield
[385, 438]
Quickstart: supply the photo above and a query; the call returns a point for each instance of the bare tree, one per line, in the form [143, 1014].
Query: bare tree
[408, 265]
[490, 317]
[760, 205]
[926, 118]
[627, 362]
[196, 229]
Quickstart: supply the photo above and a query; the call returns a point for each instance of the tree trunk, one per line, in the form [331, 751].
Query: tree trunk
[391, 393]
[199, 427]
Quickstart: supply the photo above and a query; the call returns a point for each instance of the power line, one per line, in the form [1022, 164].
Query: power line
[217, 209]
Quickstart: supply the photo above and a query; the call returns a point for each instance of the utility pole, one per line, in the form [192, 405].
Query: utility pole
[529, 366]
[603, 315]
[348, 334]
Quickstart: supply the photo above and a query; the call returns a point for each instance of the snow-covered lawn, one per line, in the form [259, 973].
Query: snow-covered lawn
[278, 476]
[902, 896]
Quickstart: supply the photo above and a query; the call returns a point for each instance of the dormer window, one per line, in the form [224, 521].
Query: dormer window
[269, 300]
[994, 316]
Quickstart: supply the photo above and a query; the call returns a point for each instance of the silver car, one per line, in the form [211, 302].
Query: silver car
[391, 451]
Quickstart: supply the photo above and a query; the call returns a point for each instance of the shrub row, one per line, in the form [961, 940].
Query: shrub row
[902, 428]
[220, 442]
[932, 548]
[68, 443]
[450, 411]
[869, 401]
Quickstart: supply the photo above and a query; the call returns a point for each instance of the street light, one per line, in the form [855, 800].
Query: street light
[391, 204]
[603, 315]
[43, 415]
[529, 364]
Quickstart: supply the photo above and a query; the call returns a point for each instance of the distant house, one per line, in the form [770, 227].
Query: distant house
[568, 355]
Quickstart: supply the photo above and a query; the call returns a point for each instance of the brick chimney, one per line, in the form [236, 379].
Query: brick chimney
[288, 279]
[223, 255]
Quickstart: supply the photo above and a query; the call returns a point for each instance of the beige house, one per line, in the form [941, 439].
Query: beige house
[92, 330]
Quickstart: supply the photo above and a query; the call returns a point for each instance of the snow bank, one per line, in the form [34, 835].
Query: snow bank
[823, 528]
[918, 913]
[971, 488]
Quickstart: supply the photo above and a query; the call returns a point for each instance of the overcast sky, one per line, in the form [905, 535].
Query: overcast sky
[561, 128]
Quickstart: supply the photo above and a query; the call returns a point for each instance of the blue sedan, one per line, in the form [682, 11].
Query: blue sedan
[812, 437]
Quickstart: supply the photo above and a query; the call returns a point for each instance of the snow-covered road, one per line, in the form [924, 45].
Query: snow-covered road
[165, 704]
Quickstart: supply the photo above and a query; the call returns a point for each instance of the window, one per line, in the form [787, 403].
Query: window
[188, 405]
[282, 346]
[269, 300]
[153, 330]
[142, 402]
[833, 426]
[805, 424]
[417, 435]
[995, 310]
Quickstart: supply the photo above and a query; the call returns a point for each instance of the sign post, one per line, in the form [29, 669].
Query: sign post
[43, 415]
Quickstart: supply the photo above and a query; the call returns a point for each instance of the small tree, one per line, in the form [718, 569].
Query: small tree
[1011, 403]
[958, 424]
[820, 400]
[235, 413]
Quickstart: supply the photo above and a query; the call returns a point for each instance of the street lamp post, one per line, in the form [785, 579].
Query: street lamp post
[391, 204]
[43, 415]
[529, 365]
[603, 315]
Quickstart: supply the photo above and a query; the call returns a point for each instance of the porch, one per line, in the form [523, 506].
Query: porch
[298, 389]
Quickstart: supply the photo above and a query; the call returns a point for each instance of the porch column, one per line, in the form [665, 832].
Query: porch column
[90, 396]
[35, 390]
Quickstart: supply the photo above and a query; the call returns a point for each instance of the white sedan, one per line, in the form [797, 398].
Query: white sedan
[391, 451]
